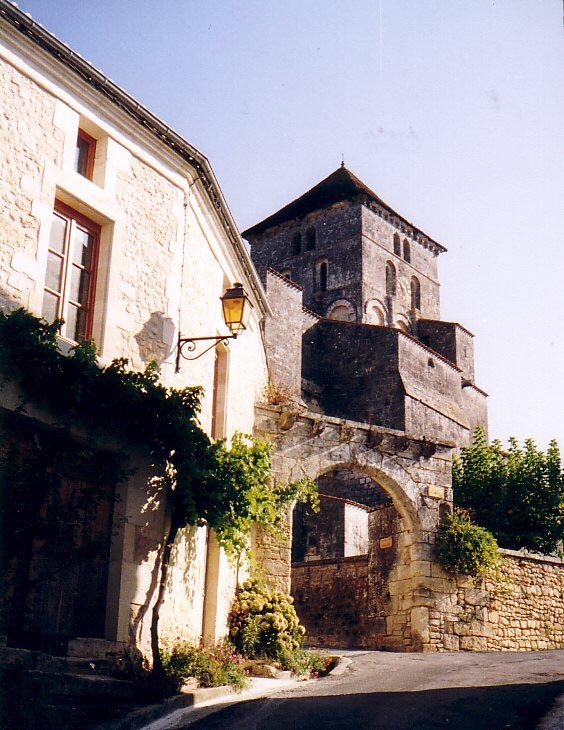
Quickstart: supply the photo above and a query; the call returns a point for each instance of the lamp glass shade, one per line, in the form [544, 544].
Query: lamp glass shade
[236, 308]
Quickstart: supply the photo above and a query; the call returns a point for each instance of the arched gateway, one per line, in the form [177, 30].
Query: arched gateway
[390, 596]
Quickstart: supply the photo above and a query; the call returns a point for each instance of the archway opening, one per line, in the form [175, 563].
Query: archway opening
[342, 558]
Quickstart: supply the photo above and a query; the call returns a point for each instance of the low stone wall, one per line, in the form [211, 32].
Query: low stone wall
[521, 610]
[331, 599]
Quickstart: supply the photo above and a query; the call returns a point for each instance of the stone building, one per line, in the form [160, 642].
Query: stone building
[370, 394]
[112, 221]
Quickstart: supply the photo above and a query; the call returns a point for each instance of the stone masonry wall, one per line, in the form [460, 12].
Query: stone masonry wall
[331, 599]
[521, 610]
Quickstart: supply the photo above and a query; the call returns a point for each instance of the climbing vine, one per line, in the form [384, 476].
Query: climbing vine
[224, 486]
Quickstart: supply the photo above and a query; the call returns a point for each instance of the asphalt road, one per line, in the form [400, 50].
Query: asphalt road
[379, 690]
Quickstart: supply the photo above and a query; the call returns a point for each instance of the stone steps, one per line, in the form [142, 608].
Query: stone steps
[73, 692]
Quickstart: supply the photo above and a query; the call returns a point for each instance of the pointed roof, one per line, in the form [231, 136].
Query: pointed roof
[339, 186]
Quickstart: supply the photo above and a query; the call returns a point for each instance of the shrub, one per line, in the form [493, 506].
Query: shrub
[211, 666]
[264, 623]
[463, 547]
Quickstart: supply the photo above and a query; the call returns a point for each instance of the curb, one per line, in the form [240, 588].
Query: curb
[176, 710]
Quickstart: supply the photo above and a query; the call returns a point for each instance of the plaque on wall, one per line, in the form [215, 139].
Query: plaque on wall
[436, 492]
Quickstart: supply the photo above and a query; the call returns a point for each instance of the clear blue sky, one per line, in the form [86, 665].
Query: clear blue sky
[452, 111]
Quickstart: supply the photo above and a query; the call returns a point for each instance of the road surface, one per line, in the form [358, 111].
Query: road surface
[379, 690]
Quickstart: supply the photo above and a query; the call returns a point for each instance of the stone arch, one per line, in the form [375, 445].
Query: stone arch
[402, 323]
[346, 596]
[375, 311]
[341, 310]
[393, 589]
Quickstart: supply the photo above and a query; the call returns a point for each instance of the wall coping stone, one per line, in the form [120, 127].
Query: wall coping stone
[534, 557]
[329, 561]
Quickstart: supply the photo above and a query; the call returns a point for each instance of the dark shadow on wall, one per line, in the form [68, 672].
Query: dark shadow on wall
[155, 339]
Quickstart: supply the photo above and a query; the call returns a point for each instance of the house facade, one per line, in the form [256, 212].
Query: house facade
[113, 222]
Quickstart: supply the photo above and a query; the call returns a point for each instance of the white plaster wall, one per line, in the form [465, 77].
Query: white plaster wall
[165, 259]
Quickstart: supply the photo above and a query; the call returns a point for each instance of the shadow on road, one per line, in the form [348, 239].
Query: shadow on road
[517, 707]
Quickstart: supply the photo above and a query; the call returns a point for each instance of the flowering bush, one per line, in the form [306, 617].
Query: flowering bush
[211, 666]
[264, 623]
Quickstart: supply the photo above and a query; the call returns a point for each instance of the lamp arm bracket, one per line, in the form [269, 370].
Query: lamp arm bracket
[190, 344]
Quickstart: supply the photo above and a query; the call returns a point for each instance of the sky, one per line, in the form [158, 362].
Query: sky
[451, 111]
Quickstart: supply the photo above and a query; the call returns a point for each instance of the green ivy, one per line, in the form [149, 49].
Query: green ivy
[463, 547]
[227, 487]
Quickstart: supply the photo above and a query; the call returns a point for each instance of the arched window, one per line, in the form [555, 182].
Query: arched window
[406, 251]
[397, 244]
[321, 276]
[297, 244]
[415, 293]
[310, 239]
[390, 279]
[342, 311]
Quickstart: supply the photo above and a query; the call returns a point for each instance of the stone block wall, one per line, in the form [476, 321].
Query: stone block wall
[283, 336]
[378, 231]
[331, 600]
[451, 341]
[521, 609]
[337, 230]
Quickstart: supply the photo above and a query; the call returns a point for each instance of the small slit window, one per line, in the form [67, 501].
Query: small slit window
[297, 244]
[310, 239]
[321, 276]
[415, 293]
[406, 251]
[397, 244]
[84, 155]
[390, 279]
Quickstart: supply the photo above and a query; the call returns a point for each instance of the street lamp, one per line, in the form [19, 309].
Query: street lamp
[236, 307]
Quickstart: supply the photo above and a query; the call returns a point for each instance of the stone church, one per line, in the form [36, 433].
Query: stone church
[374, 392]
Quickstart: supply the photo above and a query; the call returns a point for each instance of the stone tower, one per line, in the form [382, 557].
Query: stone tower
[355, 258]
[371, 346]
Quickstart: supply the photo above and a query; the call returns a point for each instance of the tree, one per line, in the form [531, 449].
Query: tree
[518, 495]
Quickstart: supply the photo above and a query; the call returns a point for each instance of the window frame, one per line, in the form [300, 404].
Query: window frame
[90, 155]
[74, 221]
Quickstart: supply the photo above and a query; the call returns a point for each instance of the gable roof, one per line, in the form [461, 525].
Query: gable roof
[339, 186]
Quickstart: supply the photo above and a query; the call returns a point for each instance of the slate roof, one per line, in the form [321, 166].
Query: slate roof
[340, 185]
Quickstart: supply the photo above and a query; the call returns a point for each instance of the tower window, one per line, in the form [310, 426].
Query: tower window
[397, 244]
[297, 244]
[310, 239]
[415, 293]
[390, 279]
[406, 251]
[321, 275]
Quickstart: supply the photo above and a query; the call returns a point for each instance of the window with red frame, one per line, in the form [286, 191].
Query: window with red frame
[84, 154]
[71, 272]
